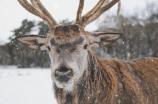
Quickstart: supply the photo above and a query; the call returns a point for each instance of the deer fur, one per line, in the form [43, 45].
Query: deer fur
[93, 80]
[114, 81]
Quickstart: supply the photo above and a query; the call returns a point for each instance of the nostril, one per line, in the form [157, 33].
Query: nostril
[56, 74]
[69, 74]
[63, 76]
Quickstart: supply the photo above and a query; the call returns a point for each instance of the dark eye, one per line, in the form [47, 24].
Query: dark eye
[48, 48]
[58, 51]
[73, 49]
[85, 46]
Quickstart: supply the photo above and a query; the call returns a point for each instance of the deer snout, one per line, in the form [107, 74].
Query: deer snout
[63, 74]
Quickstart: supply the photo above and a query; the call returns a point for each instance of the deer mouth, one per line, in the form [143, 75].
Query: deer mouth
[66, 86]
[64, 82]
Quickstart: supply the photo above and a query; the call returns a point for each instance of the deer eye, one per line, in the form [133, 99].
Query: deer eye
[48, 48]
[85, 46]
[73, 49]
[58, 51]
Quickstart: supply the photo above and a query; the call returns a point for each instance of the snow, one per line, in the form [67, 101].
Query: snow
[26, 86]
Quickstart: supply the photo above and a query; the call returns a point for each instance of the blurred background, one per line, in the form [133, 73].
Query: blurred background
[138, 21]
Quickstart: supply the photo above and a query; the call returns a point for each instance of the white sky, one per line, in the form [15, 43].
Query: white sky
[12, 14]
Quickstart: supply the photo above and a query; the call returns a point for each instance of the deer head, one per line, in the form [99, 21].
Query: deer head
[68, 45]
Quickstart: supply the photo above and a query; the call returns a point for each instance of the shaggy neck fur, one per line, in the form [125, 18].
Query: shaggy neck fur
[91, 87]
[114, 81]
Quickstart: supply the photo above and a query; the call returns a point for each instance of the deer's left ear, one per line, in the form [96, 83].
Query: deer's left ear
[34, 42]
[98, 39]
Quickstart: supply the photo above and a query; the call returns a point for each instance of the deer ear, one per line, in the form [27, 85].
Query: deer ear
[98, 39]
[34, 42]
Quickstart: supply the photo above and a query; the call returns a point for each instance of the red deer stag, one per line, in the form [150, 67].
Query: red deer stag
[79, 76]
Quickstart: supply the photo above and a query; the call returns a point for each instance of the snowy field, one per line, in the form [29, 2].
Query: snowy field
[26, 86]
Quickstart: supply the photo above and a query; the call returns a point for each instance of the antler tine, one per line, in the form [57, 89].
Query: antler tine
[119, 7]
[25, 6]
[98, 13]
[39, 6]
[33, 10]
[106, 1]
[97, 6]
[36, 12]
[79, 12]
[93, 10]
[101, 7]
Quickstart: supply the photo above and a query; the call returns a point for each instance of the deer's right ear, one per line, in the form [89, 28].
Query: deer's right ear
[34, 42]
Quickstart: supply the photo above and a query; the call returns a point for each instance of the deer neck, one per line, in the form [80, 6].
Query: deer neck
[94, 86]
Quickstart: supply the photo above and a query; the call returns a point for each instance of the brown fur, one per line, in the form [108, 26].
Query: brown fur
[104, 81]
[114, 81]
[65, 32]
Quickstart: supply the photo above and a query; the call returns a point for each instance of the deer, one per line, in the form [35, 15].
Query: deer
[78, 75]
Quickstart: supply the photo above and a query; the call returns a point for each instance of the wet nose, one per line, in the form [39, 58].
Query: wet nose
[63, 75]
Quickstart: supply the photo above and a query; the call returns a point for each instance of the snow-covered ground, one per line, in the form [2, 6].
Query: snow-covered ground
[26, 86]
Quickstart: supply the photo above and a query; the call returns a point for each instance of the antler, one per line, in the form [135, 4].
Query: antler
[79, 12]
[39, 10]
[93, 14]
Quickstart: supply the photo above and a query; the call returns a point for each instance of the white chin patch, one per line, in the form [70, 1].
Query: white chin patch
[67, 87]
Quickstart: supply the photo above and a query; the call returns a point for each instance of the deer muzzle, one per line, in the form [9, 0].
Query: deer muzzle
[63, 75]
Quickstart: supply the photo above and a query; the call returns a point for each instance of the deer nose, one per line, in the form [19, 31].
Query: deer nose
[63, 75]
